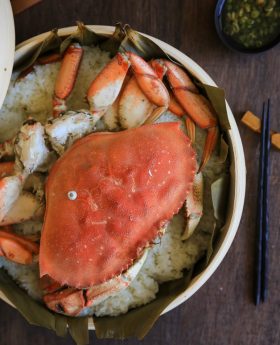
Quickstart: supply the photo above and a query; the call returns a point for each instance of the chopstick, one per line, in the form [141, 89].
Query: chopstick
[261, 288]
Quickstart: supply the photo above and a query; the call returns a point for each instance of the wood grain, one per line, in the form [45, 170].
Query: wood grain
[222, 312]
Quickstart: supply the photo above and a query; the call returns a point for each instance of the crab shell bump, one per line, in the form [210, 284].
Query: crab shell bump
[108, 197]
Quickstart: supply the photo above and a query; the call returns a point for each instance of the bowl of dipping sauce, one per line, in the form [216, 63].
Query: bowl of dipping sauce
[248, 26]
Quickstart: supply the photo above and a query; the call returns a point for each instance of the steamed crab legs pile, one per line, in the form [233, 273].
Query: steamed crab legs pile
[115, 191]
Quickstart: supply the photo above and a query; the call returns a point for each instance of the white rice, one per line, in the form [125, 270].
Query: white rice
[32, 96]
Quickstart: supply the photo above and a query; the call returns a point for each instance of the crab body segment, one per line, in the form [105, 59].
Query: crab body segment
[126, 186]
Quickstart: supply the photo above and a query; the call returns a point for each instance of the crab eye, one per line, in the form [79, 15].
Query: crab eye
[72, 195]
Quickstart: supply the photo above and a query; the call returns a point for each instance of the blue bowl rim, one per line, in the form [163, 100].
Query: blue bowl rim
[232, 44]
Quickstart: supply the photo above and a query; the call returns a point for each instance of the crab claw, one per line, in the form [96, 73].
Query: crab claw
[106, 87]
[66, 78]
[196, 106]
[26, 207]
[17, 248]
[194, 206]
[134, 107]
[68, 301]
[150, 84]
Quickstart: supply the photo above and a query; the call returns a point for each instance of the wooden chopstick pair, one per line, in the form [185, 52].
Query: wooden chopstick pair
[261, 289]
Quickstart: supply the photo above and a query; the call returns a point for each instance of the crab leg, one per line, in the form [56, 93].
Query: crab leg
[64, 130]
[150, 84]
[17, 248]
[197, 107]
[194, 206]
[31, 154]
[190, 126]
[134, 107]
[107, 85]
[69, 301]
[66, 77]
[42, 60]
[26, 207]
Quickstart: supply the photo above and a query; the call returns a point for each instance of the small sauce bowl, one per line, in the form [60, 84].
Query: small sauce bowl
[231, 41]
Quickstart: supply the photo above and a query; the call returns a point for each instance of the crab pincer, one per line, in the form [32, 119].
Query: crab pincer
[66, 78]
[106, 87]
[196, 106]
[17, 248]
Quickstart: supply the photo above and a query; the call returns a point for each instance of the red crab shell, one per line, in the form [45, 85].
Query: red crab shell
[128, 185]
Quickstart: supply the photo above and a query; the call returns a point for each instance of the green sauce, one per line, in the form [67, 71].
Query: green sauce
[252, 23]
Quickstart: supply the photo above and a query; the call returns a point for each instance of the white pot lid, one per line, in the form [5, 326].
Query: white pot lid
[7, 47]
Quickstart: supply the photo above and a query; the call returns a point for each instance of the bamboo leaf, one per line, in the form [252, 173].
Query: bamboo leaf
[78, 328]
[223, 152]
[83, 35]
[141, 45]
[112, 44]
[34, 312]
[217, 98]
[61, 325]
[219, 192]
[50, 44]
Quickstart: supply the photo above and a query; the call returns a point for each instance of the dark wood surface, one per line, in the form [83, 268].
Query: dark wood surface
[222, 311]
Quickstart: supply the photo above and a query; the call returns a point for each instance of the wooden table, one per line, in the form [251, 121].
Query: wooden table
[222, 312]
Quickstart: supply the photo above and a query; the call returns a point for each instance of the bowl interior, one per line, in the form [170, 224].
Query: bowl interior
[238, 173]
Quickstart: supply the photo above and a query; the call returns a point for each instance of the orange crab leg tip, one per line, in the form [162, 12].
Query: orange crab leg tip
[6, 168]
[175, 107]
[178, 78]
[18, 248]
[68, 71]
[148, 81]
[210, 144]
[190, 125]
[68, 301]
[25, 243]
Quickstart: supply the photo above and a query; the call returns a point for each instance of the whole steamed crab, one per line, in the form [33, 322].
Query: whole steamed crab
[108, 194]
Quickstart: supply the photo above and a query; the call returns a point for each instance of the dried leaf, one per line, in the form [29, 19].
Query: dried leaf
[219, 192]
[50, 44]
[83, 35]
[141, 45]
[217, 98]
[210, 247]
[78, 328]
[223, 152]
[112, 44]
[61, 325]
